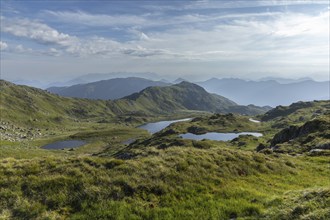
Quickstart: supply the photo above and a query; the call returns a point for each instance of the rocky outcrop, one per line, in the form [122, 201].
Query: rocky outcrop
[293, 132]
[196, 130]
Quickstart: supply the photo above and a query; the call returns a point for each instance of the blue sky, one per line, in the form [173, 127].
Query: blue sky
[54, 40]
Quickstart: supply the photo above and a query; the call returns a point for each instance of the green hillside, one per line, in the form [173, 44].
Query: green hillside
[106, 89]
[30, 114]
[159, 176]
[182, 96]
[31, 106]
[296, 113]
[313, 137]
[282, 134]
[176, 183]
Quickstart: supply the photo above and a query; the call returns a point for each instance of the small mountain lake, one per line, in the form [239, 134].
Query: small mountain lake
[64, 144]
[158, 126]
[216, 136]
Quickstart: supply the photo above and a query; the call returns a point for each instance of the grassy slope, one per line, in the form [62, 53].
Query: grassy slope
[295, 114]
[32, 117]
[106, 89]
[29, 106]
[98, 139]
[314, 134]
[187, 180]
[34, 107]
[180, 97]
[176, 183]
[172, 99]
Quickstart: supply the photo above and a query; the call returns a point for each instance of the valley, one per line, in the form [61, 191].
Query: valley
[164, 110]
[125, 172]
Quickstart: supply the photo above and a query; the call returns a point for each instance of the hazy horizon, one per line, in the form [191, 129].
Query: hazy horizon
[73, 80]
[57, 41]
[164, 109]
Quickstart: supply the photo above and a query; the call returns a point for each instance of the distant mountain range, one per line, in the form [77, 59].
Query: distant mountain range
[94, 77]
[268, 92]
[261, 93]
[28, 105]
[285, 80]
[83, 79]
[265, 92]
[106, 89]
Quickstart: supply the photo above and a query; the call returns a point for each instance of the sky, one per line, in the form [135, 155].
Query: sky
[59, 40]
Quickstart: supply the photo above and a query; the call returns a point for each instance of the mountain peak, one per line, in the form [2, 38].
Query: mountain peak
[107, 89]
[185, 83]
[190, 86]
[179, 80]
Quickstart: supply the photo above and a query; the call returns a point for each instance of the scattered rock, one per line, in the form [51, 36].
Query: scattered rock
[241, 143]
[293, 132]
[261, 147]
[325, 146]
[196, 130]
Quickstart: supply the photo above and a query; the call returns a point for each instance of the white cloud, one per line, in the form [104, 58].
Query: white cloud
[36, 31]
[211, 4]
[246, 36]
[19, 49]
[3, 45]
[300, 24]
[190, 38]
[88, 46]
[88, 19]
[53, 52]
[184, 37]
[143, 36]
[148, 20]
[249, 4]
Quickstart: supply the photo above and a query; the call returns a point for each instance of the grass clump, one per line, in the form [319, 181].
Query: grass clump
[312, 203]
[171, 183]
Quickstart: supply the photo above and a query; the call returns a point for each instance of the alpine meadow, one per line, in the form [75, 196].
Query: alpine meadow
[165, 110]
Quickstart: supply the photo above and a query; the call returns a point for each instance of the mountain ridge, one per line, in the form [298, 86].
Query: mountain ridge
[34, 105]
[259, 92]
[106, 89]
[189, 96]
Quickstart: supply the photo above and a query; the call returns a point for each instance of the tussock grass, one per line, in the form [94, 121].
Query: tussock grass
[172, 183]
